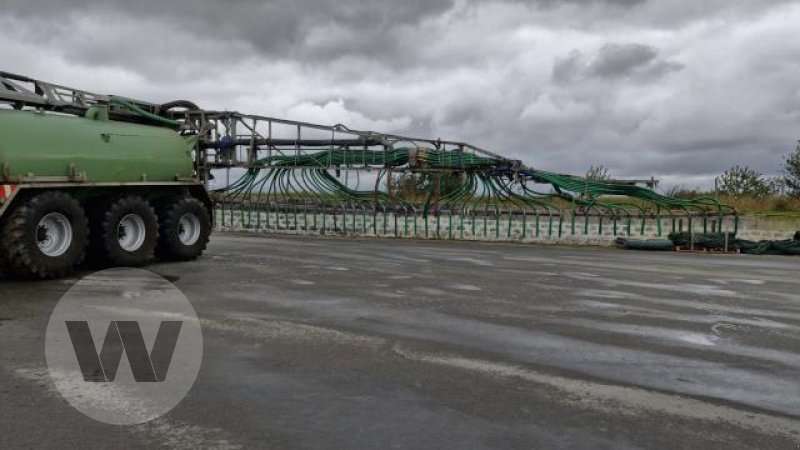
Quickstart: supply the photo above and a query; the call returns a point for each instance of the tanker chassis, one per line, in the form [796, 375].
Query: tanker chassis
[94, 179]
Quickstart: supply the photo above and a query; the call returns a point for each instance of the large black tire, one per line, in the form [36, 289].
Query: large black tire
[184, 229]
[124, 233]
[31, 249]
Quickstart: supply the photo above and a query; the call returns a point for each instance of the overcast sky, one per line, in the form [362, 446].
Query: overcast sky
[677, 89]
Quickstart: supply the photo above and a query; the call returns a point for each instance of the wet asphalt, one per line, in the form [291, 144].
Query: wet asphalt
[340, 344]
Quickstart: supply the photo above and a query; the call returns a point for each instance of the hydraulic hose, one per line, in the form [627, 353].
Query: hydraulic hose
[135, 109]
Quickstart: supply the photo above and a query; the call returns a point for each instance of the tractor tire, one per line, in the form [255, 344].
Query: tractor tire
[124, 233]
[44, 237]
[185, 227]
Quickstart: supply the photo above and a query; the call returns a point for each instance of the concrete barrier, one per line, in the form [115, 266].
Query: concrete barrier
[567, 229]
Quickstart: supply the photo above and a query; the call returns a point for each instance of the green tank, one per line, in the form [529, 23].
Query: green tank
[78, 187]
[46, 146]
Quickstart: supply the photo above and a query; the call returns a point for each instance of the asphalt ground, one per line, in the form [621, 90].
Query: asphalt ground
[335, 343]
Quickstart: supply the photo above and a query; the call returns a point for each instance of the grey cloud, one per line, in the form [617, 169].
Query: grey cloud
[567, 69]
[614, 61]
[277, 28]
[281, 28]
[661, 87]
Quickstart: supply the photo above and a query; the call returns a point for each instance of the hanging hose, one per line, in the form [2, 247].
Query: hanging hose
[150, 116]
[484, 183]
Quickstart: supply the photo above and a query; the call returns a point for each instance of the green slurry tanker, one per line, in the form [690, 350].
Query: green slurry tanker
[117, 181]
[96, 178]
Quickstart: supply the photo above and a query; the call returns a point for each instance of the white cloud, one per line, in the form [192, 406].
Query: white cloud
[335, 112]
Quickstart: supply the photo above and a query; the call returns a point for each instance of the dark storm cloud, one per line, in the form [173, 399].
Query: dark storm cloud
[283, 28]
[662, 87]
[278, 27]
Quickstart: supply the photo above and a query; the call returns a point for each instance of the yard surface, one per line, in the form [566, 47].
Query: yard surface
[334, 343]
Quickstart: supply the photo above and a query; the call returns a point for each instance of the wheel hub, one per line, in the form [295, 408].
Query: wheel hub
[131, 232]
[189, 229]
[54, 235]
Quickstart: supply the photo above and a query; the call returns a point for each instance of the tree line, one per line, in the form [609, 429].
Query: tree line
[738, 181]
[741, 181]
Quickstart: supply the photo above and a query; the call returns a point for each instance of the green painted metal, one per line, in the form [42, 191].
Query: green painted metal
[36, 145]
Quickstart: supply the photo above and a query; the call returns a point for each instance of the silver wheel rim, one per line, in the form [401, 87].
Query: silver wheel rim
[131, 232]
[189, 229]
[54, 235]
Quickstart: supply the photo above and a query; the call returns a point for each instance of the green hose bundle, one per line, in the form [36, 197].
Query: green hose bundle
[709, 241]
[659, 245]
[785, 247]
[716, 241]
[483, 184]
